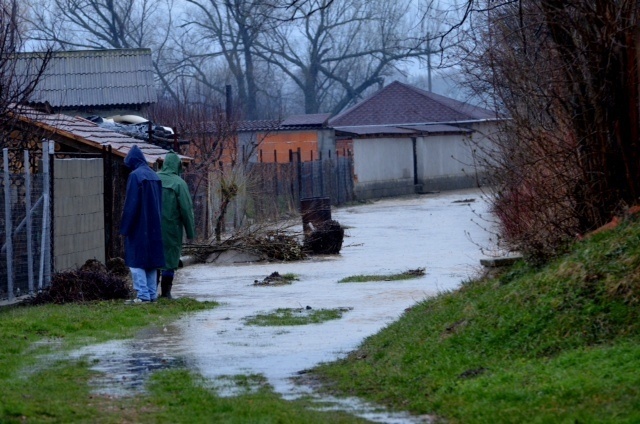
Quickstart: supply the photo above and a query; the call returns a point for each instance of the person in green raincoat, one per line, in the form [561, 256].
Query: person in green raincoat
[177, 218]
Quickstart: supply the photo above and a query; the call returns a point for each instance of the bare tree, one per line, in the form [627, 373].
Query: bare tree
[566, 73]
[98, 24]
[296, 9]
[109, 24]
[229, 29]
[218, 172]
[18, 78]
[338, 50]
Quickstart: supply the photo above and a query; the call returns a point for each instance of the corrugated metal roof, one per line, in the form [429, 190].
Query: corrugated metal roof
[92, 77]
[258, 125]
[93, 136]
[292, 123]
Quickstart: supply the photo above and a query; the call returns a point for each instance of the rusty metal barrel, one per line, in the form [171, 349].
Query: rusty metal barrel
[314, 211]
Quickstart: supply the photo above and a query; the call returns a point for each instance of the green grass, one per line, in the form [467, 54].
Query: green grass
[55, 392]
[37, 387]
[295, 316]
[290, 277]
[553, 344]
[171, 390]
[406, 275]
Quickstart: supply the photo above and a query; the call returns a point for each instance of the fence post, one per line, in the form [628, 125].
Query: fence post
[7, 223]
[299, 168]
[44, 246]
[27, 183]
[321, 165]
[107, 175]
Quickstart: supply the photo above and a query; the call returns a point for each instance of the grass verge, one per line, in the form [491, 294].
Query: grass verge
[37, 387]
[406, 275]
[556, 344]
[290, 277]
[296, 316]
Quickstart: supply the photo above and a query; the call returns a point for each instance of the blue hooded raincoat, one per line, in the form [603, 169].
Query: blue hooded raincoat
[141, 215]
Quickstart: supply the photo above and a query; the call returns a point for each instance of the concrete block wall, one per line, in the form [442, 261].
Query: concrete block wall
[78, 216]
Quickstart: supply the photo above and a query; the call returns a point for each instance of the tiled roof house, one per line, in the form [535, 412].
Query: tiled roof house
[400, 103]
[93, 82]
[405, 140]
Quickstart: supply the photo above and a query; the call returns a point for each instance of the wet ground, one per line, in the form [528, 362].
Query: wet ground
[442, 233]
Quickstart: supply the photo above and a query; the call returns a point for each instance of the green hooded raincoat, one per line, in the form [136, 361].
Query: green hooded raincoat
[177, 210]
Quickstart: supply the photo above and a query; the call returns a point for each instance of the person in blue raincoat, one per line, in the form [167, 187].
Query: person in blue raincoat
[141, 226]
[177, 218]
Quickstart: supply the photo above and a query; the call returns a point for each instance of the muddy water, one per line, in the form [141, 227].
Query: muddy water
[442, 233]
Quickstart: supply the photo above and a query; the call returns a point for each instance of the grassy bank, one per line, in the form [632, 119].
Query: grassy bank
[39, 384]
[557, 344]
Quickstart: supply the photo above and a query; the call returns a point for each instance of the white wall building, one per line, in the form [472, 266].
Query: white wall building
[405, 140]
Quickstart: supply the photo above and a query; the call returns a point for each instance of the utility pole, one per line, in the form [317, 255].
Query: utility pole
[429, 60]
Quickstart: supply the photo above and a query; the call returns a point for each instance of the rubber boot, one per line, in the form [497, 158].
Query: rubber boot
[165, 285]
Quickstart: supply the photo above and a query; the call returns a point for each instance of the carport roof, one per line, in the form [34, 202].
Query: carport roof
[373, 130]
[437, 129]
[394, 130]
[88, 135]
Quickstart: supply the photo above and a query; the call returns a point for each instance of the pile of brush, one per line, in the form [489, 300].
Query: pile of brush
[276, 245]
[92, 281]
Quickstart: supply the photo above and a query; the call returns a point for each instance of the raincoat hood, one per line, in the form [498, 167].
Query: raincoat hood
[141, 221]
[171, 164]
[134, 158]
[177, 210]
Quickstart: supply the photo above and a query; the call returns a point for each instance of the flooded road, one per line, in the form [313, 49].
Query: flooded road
[442, 233]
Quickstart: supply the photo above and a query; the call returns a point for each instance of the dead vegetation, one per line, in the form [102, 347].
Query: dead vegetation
[271, 245]
[92, 281]
[280, 244]
[565, 73]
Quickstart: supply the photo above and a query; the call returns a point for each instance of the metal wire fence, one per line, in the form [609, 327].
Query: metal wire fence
[25, 230]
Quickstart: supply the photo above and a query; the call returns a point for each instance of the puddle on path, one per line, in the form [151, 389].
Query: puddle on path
[385, 237]
[125, 365]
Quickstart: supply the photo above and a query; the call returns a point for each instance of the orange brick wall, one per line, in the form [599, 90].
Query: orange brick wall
[275, 147]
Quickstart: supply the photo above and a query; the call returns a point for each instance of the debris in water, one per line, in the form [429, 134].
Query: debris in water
[275, 279]
[417, 272]
[326, 238]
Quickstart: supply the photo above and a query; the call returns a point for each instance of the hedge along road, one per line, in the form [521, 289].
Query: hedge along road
[442, 233]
